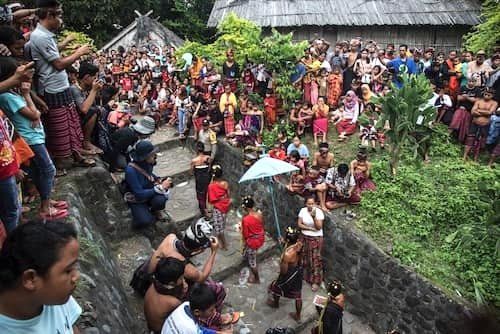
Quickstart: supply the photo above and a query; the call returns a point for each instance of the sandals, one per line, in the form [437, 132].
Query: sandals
[54, 214]
[235, 317]
[85, 162]
[61, 172]
[61, 205]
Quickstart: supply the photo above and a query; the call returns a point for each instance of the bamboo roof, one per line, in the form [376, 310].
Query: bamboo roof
[290, 13]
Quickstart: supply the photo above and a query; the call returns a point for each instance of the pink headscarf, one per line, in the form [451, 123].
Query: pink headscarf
[352, 102]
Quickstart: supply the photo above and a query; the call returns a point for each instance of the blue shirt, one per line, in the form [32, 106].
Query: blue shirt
[142, 188]
[44, 50]
[300, 71]
[302, 149]
[54, 319]
[12, 104]
[402, 66]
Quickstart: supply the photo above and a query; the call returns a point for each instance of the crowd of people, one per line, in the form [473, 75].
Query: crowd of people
[74, 109]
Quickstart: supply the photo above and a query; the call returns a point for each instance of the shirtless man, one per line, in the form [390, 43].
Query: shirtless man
[289, 282]
[323, 159]
[478, 131]
[196, 239]
[200, 168]
[166, 293]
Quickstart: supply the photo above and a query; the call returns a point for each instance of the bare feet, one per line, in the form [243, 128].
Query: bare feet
[272, 303]
[252, 280]
[294, 316]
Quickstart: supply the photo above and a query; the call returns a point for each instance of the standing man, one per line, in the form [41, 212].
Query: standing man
[200, 168]
[401, 65]
[62, 123]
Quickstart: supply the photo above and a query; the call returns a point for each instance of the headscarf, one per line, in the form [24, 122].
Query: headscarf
[350, 104]
[367, 93]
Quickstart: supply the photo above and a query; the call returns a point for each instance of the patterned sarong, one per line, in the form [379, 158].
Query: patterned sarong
[311, 259]
[62, 125]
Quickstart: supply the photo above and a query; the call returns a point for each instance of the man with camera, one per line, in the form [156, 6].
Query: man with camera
[145, 193]
[84, 91]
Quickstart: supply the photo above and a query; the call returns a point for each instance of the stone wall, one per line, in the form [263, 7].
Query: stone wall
[381, 291]
[100, 216]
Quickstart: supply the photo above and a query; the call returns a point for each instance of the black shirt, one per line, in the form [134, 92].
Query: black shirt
[471, 92]
[215, 116]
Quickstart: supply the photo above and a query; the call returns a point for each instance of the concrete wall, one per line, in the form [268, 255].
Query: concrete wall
[382, 292]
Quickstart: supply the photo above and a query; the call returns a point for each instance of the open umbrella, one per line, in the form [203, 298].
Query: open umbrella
[266, 168]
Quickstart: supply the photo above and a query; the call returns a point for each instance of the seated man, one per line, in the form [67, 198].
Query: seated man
[166, 293]
[301, 148]
[323, 159]
[124, 138]
[314, 185]
[341, 186]
[146, 193]
[186, 317]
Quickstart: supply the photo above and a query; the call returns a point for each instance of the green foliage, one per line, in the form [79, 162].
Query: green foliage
[442, 219]
[278, 51]
[408, 115]
[486, 34]
[80, 39]
[187, 18]
[270, 136]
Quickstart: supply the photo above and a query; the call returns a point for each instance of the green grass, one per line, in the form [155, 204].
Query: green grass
[434, 217]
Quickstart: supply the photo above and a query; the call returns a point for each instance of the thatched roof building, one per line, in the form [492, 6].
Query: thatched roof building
[144, 28]
[439, 23]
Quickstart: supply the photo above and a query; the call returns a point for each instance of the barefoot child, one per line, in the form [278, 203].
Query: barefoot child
[252, 228]
[218, 196]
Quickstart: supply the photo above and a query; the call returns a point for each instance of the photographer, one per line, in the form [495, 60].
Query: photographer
[84, 92]
[146, 193]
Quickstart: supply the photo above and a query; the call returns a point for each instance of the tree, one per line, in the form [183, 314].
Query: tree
[408, 115]
[486, 34]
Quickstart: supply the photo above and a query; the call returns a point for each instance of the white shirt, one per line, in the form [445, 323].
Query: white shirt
[309, 221]
[181, 322]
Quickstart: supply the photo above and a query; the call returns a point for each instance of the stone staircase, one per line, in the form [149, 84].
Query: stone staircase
[182, 208]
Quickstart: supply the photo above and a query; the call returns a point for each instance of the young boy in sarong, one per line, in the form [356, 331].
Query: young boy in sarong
[289, 282]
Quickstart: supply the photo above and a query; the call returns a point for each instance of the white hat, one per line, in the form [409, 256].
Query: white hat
[145, 126]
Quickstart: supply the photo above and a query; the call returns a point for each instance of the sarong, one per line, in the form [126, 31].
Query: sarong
[345, 126]
[229, 124]
[62, 125]
[363, 183]
[202, 179]
[320, 126]
[461, 123]
[311, 259]
[288, 285]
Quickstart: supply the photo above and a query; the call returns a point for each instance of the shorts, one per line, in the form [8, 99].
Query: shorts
[219, 220]
[251, 256]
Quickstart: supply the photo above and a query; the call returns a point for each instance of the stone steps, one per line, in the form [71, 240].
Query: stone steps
[174, 162]
[228, 263]
[251, 299]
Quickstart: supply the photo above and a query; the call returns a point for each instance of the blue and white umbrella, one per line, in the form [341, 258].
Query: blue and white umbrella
[264, 169]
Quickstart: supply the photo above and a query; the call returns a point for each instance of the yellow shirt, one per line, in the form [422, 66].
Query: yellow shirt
[230, 100]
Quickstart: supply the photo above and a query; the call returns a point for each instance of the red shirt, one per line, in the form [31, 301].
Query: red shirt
[126, 84]
[218, 196]
[8, 164]
[253, 231]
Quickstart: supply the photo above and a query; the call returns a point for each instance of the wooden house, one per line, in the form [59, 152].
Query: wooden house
[418, 23]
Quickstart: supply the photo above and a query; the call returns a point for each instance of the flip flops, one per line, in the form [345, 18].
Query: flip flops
[61, 205]
[54, 214]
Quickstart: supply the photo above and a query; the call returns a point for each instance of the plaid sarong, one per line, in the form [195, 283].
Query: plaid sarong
[311, 259]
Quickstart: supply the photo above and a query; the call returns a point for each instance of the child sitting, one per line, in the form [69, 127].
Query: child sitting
[119, 117]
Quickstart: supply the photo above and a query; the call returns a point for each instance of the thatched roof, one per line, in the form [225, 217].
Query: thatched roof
[140, 30]
[290, 13]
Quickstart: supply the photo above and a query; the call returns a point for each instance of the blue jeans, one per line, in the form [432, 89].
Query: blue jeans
[10, 208]
[142, 213]
[42, 171]
[181, 115]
